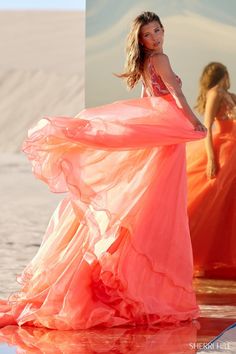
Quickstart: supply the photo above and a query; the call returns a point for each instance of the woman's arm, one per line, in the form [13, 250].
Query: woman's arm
[163, 68]
[212, 105]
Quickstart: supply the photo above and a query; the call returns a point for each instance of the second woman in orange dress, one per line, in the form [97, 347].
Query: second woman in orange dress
[211, 168]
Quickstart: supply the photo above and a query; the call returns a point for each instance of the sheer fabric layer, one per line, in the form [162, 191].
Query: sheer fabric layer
[117, 249]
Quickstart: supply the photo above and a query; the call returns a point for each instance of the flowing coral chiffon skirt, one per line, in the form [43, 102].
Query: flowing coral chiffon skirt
[117, 249]
[212, 204]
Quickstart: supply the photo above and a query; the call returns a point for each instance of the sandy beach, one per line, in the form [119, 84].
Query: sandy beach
[26, 208]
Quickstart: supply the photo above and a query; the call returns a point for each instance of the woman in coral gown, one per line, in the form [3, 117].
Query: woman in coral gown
[117, 250]
[211, 169]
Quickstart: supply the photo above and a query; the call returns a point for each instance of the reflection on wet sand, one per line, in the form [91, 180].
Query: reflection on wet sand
[163, 340]
[217, 300]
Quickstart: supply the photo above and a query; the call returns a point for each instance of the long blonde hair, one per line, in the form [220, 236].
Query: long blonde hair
[135, 52]
[211, 75]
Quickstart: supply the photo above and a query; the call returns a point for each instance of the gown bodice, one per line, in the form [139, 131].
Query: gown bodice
[156, 86]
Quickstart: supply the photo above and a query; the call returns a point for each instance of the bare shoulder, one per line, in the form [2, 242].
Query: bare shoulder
[215, 94]
[160, 58]
[161, 62]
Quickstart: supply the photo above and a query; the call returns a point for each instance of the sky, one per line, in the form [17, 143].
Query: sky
[42, 4]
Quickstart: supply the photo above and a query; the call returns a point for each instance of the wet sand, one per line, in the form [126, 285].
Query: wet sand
[26, 208]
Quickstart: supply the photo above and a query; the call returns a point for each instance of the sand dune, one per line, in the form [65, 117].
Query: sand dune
[41, 70]
[50, 40]
[28, 95]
